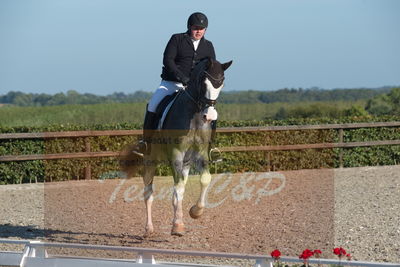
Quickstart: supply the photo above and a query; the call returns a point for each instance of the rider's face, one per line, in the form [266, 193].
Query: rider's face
[197, 32]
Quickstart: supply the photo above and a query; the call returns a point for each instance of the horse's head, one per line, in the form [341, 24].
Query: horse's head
[214, 80]
[207, 81]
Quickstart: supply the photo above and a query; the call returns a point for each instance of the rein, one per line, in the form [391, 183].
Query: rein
[193, 100]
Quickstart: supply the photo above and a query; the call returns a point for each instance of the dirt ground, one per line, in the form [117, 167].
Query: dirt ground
[248, 213]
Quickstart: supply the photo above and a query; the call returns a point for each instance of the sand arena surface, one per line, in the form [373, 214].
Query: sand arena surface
[357, 208]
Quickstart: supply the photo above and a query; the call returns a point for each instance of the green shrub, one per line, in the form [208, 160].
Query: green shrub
[102, 168]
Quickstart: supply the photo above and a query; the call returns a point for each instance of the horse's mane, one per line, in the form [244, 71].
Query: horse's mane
[197, 73]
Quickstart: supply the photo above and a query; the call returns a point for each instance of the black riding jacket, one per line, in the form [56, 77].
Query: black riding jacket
[180, 57]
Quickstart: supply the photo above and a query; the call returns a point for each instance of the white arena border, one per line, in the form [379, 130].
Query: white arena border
[34, 254]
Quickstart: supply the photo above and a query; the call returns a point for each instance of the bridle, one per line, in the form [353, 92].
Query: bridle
[216, 82]
[202, 102]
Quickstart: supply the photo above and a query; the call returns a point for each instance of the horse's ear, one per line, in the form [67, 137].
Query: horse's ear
[226, 65]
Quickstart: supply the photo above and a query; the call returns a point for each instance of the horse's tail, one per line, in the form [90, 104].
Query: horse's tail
[130, 161]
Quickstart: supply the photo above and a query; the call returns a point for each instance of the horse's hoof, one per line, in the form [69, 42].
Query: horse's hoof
[195, 212]
[178, 229]
[149, 232]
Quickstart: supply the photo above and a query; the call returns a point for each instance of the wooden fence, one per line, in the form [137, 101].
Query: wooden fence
[88, 154]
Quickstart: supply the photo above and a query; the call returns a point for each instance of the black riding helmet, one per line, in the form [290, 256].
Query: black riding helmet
[197, 19]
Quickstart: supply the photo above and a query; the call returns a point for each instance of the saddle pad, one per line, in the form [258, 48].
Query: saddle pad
[165, 112]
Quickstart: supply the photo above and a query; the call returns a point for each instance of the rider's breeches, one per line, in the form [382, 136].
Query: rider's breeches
[165, 88]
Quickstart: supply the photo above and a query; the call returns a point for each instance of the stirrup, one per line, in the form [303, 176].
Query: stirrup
[140, 149]
[215, 155]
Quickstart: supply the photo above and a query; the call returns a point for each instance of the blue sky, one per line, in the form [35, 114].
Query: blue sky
[106, 46]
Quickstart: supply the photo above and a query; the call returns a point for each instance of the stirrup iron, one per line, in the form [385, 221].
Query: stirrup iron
[141, 148]
[215, 155]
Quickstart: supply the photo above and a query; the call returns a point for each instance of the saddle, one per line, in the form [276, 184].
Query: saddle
[163, 108]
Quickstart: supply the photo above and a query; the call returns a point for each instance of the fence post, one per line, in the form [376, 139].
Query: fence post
[341, 149]
[263, 263]
[267, 154]
[88, 170]
[145, 257]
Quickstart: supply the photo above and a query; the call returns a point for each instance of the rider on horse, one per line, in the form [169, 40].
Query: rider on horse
[182, 53]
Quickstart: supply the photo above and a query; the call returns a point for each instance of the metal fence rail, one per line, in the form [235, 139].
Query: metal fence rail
[35, 254]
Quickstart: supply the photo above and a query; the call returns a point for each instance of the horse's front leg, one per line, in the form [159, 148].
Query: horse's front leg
[197, 210]
[181, 174]
[148, 197]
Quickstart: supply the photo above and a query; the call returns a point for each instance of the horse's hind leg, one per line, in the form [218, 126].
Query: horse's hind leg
[197, 210]
[148, 198]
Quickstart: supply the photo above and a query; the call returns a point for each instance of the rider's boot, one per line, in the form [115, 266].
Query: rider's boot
[149, 127]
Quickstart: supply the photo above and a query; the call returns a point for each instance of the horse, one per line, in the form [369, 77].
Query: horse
[183, 142]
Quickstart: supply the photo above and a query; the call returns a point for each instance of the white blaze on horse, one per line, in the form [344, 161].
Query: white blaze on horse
[187, 132]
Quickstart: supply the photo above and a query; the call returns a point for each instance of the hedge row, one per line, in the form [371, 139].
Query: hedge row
[101, 168]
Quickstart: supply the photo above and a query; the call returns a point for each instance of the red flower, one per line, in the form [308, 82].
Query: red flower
[339, 251]
[306, 254]
[348, 256]
[275, 254]
[317, 253]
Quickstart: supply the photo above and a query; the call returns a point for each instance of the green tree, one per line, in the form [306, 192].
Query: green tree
[355, 111]
[22, 100]
[281, 114]
[58, 99]
[394, 97]
[387, 104]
